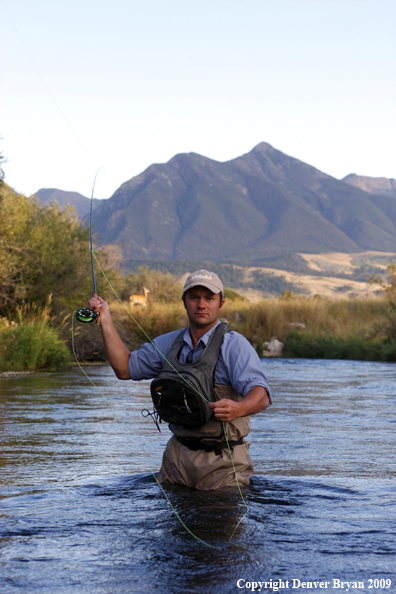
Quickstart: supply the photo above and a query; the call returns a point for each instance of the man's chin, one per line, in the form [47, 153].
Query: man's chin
[202, 321]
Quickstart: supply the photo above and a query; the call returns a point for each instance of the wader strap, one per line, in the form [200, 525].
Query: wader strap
[207, 445]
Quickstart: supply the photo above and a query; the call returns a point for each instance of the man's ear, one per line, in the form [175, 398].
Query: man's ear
[222, 303]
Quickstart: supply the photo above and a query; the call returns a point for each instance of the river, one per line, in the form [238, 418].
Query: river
[81, 512]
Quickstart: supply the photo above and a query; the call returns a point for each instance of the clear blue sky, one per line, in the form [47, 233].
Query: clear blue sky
[141, 80]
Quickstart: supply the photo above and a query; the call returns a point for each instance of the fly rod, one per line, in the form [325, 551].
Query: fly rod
[85, 314]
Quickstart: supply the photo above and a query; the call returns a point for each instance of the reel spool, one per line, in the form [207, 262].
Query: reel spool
[86, 315]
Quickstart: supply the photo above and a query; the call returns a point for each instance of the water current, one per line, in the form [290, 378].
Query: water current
[81, 512]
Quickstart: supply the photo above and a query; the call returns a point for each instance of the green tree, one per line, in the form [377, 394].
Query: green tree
[43, 250]
[58, 258]
[15, 210]
[391, 288]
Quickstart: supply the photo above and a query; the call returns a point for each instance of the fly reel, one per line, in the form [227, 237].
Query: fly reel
[86, 315]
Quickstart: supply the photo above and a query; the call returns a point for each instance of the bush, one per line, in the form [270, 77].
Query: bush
[32, 346]
[358, 348]
[30, 343]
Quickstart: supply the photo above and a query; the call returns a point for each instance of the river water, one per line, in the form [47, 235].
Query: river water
[81, 513]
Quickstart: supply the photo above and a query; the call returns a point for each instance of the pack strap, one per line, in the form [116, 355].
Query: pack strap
[208, 445]
[208, 357]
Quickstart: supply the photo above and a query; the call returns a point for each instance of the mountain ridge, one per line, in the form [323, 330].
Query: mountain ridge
[373, 185]
[259, 205]
[80, 203]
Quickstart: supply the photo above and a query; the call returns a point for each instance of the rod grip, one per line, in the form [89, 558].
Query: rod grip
[96, 310]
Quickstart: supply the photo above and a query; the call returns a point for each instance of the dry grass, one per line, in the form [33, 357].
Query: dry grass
[352, 328]
[268, 318]
[155, 319]
[273, 317]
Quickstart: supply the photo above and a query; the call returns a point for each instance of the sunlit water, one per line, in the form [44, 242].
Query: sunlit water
[82, 513]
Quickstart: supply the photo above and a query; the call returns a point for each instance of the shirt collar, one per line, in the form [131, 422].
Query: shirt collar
[204, 339]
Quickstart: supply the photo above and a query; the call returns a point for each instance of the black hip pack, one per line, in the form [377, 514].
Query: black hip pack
[182, 391]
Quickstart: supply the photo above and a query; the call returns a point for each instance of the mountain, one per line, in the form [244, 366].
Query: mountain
[260, 205]
[373, 185]
[81, 203]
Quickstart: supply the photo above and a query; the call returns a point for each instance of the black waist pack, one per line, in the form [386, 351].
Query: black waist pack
[182, 391]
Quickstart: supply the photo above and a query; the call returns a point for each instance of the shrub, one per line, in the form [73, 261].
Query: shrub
[31, 343]
[32, 346]
[359, 348]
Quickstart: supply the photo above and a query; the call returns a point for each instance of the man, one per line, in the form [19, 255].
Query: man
[199, 456]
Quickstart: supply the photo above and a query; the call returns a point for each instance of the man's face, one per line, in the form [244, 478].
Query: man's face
[202, 307]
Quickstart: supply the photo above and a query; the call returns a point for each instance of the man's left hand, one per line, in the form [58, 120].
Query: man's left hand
[225, 409]
[228, 410]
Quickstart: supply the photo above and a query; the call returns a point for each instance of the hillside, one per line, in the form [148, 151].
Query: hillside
[262, 206]
[334, 274]
[373, 185]
[257, 206]
[81, 203]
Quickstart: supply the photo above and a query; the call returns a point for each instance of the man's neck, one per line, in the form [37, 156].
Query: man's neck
[196, 332]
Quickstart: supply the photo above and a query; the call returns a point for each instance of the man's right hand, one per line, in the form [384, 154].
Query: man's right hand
[116, 352]
[100, 306]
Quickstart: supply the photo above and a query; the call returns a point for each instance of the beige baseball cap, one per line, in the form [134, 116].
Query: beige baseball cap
[204, 278]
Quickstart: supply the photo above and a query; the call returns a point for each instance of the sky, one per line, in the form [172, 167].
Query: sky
[92, 85]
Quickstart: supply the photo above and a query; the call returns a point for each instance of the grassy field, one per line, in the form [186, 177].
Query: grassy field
[309, 327]
[362, 329]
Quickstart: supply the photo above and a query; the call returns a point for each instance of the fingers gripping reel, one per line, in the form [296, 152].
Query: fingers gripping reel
[87, 315]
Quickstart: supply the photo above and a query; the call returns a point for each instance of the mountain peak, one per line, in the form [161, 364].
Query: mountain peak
[263, 147]
[259, 205]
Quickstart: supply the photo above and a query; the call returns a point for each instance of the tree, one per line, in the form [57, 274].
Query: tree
[14, 212]
[391, 288]
[43, 250]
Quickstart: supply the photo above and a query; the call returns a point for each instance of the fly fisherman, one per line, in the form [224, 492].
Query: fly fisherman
[211, 375]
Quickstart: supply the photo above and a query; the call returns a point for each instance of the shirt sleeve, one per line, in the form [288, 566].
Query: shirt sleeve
[243, 365]
[147, 362]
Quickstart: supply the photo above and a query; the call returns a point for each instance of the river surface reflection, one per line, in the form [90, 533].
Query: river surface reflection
[80, 511]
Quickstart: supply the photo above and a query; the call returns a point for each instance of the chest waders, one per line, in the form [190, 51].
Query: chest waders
[180, 403]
